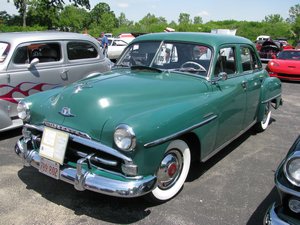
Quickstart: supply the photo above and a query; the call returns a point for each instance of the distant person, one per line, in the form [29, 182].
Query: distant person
[104, 44]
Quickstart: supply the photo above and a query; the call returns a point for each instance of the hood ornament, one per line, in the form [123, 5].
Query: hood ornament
[65, 111]
[80, 86]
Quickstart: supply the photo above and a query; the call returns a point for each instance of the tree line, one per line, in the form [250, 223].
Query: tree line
[78, 17]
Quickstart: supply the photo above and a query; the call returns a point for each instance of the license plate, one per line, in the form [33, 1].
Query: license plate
[53, 145]
[49, 168]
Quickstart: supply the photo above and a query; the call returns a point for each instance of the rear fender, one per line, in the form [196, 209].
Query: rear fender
[270, 92]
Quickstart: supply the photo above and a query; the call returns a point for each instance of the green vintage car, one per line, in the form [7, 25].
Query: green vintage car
[171, 98]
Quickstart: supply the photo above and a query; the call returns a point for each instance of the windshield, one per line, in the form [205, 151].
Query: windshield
[4, 49]
[183, 57]
[292, 55]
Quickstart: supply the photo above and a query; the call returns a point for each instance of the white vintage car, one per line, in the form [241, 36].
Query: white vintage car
[115, 48]
[31, 62]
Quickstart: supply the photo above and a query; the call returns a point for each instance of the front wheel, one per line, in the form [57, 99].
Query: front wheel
[172, 172]
[263, 125]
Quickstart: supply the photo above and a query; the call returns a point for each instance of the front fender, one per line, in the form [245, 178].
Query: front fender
[270, 92]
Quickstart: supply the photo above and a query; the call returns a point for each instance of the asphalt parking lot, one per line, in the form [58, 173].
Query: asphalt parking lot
[234, 187]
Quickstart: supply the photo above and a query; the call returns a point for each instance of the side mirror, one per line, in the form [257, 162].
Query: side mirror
[221, 76]
[33, 62]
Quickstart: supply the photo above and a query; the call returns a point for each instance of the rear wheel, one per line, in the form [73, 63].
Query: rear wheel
[172, 171]
[263, 125]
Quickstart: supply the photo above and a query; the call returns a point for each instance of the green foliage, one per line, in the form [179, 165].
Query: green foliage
[273, 18]
[42, 14]
[184, 19]
[102, 19]
[5, 28]
[296, 28]
[47, 14]
[294, 13]
[73, 19]
[198, 20]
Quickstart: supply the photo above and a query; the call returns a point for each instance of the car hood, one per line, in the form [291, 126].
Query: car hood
[89, 104]
[272, 44]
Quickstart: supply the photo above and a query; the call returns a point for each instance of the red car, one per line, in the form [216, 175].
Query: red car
[286, 66]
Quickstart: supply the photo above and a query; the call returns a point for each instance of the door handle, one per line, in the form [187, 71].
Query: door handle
[64, 74]
[244, 84]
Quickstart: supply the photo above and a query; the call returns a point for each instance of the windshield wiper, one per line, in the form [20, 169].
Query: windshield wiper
[146, 68]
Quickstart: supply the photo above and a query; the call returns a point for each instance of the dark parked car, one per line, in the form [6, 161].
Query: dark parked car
[287, 180]
[171, 98]
[268, 51]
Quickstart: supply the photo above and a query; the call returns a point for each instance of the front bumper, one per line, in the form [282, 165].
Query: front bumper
[85, 180]
[271, 217]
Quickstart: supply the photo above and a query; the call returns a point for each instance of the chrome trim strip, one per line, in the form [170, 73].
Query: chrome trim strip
[90, 143]
[285, 189]
[66, 129]
[227, 143]
[172, 136]
[271, 217]
[98, 159]
[85, 180]
[276, 96]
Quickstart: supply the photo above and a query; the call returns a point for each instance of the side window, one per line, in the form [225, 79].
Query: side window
[45, 52]
[4, 49]
[226, 61]
[249, 60]
[120, 43]
[81, 50]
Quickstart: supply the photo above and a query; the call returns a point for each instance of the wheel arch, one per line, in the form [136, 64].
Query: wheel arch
[194, 144]
[270, 92]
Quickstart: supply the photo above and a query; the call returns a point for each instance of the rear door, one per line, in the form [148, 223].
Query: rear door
[82, 59]
[26, 80]
[253, 73]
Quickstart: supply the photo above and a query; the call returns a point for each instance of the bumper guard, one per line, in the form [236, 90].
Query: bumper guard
[85, 180]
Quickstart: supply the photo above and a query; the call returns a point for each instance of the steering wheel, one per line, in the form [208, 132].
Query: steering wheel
[193, 64]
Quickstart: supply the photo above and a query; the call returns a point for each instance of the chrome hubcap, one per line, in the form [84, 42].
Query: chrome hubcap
[170, 169]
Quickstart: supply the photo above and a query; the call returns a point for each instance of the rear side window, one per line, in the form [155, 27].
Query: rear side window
[81, 50]
[45, 52]
[249, 60]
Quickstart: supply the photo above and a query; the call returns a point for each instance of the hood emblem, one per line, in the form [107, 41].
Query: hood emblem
[80, 86]
[65, 111]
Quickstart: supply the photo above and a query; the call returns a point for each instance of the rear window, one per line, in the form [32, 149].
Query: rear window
[81, 50]
[4, 49]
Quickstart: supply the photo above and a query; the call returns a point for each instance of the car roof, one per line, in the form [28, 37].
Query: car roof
[20, 37]
[196, 37]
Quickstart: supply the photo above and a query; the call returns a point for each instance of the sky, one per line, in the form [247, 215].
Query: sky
[216, 10]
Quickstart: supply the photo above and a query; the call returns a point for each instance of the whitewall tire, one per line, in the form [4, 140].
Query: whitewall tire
[172, 172]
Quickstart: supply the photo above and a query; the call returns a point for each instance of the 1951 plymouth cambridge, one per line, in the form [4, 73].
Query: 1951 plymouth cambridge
[133, 131]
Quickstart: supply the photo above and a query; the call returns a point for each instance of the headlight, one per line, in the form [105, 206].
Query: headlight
[292, 168]
[124, 137]
[23, 111]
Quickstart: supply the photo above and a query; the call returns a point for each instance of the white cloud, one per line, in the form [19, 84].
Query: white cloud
[203, 13]
[123, 5]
